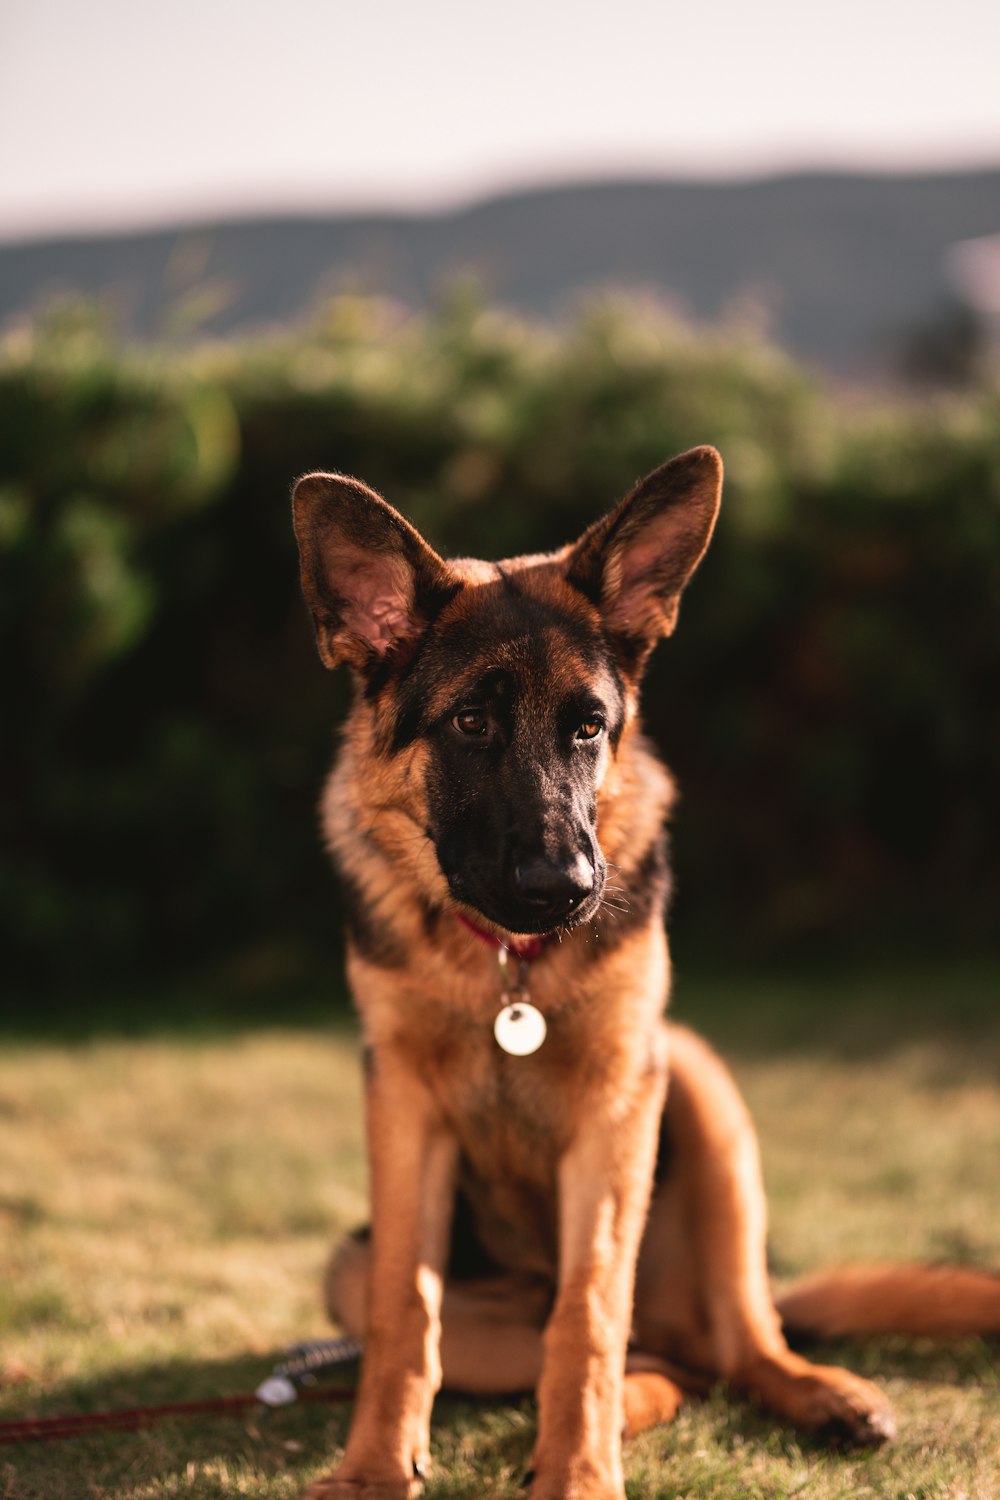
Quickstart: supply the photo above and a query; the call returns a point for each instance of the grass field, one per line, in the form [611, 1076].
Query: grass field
[167, 1200]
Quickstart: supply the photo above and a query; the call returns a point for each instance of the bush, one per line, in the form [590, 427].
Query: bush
[830, 702]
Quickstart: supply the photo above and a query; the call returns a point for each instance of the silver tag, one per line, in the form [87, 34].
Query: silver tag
[276, 1390]
[520, 1028]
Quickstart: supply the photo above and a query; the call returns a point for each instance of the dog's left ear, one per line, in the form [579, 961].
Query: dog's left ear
[635, 562]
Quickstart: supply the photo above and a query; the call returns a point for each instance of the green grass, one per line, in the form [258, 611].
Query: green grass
[167, 1202]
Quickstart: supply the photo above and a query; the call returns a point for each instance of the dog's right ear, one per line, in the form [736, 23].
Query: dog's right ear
[369, 579]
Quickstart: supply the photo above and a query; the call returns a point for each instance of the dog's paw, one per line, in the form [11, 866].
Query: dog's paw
[853, 1413]
[836, 1405]
[844, 1409]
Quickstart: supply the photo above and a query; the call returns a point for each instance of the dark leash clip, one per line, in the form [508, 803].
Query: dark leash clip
[303, 1365]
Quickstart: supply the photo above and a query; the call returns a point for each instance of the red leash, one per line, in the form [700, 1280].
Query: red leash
[129, 1419]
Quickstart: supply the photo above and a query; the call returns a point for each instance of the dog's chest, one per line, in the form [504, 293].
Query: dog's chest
[508, 1114]
[513, 1117]
[510, 1142]
[503, 1109]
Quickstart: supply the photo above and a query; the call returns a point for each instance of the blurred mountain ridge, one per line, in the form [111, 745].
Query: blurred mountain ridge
[840, 268]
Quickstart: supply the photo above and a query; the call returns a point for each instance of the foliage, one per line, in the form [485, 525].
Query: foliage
[830, 702]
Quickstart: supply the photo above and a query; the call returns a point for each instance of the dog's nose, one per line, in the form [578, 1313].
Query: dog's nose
[554, 890]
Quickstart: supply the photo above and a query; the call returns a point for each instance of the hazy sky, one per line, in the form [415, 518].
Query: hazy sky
[118, 112]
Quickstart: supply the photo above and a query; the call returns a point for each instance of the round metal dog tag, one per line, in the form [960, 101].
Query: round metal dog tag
[520, 1028]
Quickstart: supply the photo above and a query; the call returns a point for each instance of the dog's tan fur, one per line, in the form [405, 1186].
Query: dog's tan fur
[611, 1300]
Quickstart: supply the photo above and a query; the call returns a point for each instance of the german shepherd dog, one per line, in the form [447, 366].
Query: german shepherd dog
[546, 1212]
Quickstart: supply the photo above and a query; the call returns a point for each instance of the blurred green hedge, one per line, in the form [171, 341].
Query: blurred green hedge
[831, 702]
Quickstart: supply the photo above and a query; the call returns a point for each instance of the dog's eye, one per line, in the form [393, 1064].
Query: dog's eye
[590, 729]
[470, 721]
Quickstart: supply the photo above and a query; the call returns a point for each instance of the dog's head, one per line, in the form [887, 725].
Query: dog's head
[501, 691]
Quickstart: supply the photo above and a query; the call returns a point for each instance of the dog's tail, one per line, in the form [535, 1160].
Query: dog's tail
[937, 1301]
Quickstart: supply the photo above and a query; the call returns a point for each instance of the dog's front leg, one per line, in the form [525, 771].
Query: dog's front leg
[412, 1159]
[604, 1185]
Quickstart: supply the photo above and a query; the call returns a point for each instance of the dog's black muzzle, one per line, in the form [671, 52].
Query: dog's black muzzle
[538, 895]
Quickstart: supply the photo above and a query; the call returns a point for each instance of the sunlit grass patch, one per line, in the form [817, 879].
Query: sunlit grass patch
[167, 1205]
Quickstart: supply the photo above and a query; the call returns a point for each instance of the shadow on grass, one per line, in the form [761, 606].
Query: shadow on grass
[172, 1454]
[858, 1011]
[966, 1361]
[854, 1014]
[256, 1450]
[273, 1452]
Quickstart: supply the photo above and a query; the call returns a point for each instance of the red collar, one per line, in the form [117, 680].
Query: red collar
[527, 951]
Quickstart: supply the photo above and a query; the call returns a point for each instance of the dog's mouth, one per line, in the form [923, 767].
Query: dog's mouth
[535, 917]
[524, 926]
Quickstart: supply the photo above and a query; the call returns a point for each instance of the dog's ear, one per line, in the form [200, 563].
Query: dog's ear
[369, 579]
[634, 562]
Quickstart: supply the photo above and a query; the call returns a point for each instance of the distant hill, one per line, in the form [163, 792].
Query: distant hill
[846, 265]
